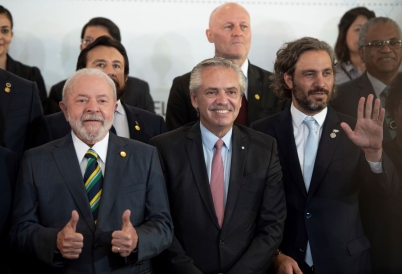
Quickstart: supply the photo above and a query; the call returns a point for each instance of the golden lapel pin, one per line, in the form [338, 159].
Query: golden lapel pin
[123, 154]
[137, 126]
[257, 97]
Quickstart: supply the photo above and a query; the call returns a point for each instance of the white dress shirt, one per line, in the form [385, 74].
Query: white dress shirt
[120, 121]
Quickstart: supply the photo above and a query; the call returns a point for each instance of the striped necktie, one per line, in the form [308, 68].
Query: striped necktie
[93, 182]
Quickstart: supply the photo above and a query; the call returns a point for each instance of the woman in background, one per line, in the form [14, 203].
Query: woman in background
[9, 64]
[350, 66]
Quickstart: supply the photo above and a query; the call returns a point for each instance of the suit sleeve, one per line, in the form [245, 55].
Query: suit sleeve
[35, 113]
[155, 234]
[37, 77]
[269, 232]
[176, 113]
[26, 234]
[55, 97]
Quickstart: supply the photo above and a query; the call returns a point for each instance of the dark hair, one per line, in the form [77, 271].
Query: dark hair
[286, 59]
[394, 97]
[5, 11]
[341, 48]
[104, 22]
[107, 42]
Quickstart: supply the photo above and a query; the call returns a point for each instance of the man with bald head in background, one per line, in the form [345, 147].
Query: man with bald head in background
[230, 32]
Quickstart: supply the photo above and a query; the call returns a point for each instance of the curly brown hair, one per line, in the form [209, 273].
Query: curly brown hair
[286, 59]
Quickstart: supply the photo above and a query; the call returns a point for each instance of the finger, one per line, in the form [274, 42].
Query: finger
[347, 129]
[381, 117]
[296, 269]
[360, 108]
[369, 106]
[376, 110]
[74, 220]
[126, 219]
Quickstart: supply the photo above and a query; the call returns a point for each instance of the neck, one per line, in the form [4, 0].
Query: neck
[3, 61]
[357, 61]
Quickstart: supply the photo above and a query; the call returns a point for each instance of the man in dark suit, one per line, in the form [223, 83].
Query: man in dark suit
[20, 105]
[110, 56]
[137, 94]
[113, 220]
[230, 32]
[325, 164]
[227, 203]
[380, 49]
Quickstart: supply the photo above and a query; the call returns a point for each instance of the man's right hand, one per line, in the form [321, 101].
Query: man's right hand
[286, 265]
[70, 243]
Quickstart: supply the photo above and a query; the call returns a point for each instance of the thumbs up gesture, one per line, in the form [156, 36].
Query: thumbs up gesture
[124, 241]
[69, 242]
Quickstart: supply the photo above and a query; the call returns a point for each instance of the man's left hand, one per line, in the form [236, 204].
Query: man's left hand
[124, 241]
[368, 132]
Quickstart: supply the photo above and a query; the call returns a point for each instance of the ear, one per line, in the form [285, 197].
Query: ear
[288, 80]
[194, 100]
[115, 107]
[208, 32]
[125, 78]
[64, 109]
[361, 54]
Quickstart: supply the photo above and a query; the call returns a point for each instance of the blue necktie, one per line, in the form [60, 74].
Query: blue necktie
[93, 182]
[310, 152]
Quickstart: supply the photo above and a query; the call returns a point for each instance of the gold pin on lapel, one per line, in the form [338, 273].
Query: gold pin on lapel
[137, 126]
[123, 154]
[7, 89]
[8, 85]
[257, 97]
[333, 134]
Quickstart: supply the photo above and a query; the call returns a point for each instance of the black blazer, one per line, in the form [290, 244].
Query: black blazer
[255, 209]
[19, 107]
[328, 215]
[30, 73]
[142, 125]
[261, 101]
[137, 95]
[349, 95]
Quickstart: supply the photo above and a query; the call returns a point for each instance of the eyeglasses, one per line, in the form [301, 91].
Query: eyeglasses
[377, 44]
[87, 41]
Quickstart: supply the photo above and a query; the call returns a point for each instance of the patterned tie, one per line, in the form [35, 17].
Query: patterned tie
[93, 182]
[217, 182]
[310, 152]
[383, 98]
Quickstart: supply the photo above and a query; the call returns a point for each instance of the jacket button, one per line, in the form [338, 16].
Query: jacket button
[221, 242]
[308, 215]
[301, 249]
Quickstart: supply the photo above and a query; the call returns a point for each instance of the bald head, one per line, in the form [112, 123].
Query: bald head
[229, 30]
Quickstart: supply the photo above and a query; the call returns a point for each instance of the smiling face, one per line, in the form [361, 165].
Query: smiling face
[89, 108]
[6, 34]
[230, 31]
[384, 61]
[218, 99]
[312, 83]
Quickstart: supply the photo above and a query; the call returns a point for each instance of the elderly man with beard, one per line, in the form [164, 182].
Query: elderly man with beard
[91, 202]
[110, 56]
[325, 163]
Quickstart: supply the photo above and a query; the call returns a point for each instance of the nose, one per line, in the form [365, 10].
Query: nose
[386, 48]
[221, 97]
[92, 105]
[108, 69]
[237, 30]
[319, 81]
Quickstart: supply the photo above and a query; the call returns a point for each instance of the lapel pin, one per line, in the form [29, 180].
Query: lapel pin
[242, 147]
[123, 154]
[8, 85]
[336, 130]
[333, 135]
[137, 126]
[7, 89]
[257, 97]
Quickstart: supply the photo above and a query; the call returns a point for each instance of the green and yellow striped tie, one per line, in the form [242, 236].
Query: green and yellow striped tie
[93, 182]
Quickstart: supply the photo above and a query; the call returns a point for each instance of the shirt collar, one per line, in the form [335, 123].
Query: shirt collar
[378, 86]
[120, 109]
[100, 147]
[209, 139]
[298, 117]
[244, 68]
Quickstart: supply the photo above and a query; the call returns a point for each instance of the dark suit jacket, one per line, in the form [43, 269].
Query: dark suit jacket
[50, 185]
[382, 221]
[54, 126]
[180, 111]
[349, 95]
[255, 209]
[30, 73]
[20, 107]
[137, 95]
[328, 215]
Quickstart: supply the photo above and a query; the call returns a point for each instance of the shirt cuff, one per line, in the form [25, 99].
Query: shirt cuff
[376, 167]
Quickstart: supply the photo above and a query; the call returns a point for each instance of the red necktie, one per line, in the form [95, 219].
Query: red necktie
[242, 117]
[217, 183]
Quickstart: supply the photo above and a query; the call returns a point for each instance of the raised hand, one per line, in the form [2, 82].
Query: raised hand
[124, 241]
[368, 132]
[69, 242]
[286, 265]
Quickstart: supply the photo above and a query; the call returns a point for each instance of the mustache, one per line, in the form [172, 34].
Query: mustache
[318, 89]
[221, 107]
[92, 117]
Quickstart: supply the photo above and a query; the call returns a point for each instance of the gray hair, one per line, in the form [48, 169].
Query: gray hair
[376, 21]
[68, 86]
[195, 78]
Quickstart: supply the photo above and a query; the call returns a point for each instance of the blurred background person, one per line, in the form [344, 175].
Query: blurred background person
[382, 218]
[9, 64]
[350, 65]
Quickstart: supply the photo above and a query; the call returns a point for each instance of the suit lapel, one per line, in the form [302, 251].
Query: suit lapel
[5, 97]
[195, 156]
[330, 136]
[287, 147]
[239, 152]
[254, 88]
[134, 120]
[114, 175]
[66, 159]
